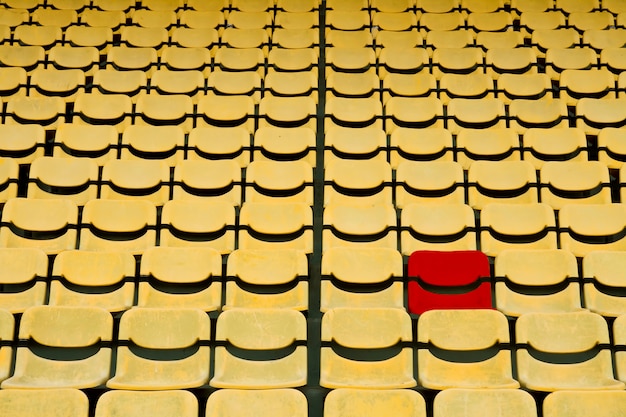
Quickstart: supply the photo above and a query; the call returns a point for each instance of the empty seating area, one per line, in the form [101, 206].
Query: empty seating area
[312, 208]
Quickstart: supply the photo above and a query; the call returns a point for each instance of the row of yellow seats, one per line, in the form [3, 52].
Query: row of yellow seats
[162, 349]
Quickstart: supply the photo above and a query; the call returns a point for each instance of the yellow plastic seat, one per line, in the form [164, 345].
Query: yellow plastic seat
[282, 59]
[361, 277]
[357, 182]
[573, 182]
[70, 348]
[249, 20]
[252, 5]
[198, 223]
[470, 86]
[347, 225]
[99, 109]
[449, 21]
[611, 151]
[574, 6]
[490, 21]
[603, 273]
[456, 402]
[217, 180]
[121, 5]
[352, 402]
[153, 19]
[408, 85]
[288, 111]
[581, 403]
[165, 110]
[413, 113]
[556, 144]
[245, 38]
[13, 82]
[77, 58]
[136, 179]
[93, 279]
[276, 225]
[364, 143]
[589, 227]
[596, 20]
[595, 114]
[124, 58]
[97, 142]
[204, 38]
[457, 60]
[157, 403]
[23, 280]
[394, 21]
[225, 111]
[195, 19]
[51, 82]
[284, 144]
[214, 143]
[351, 39]
[444, 336]
[543, 113]
[295, 38]
[27, 57]
[267, 279]
[235, 83]
[144, 37]
[420, 145]
[510, 61]
[347, 20]
[544, 39]
[437, 227]
[564, 351]
[75, 179]
[593, 83]
[111, 19]
[54, 17]
[499, 40]
[44, 111]
[118, 225]
[129, 83]
[531, 281]
[248, 336]
[437, 6]
[524, 86]
[347, 5]
[440, 39]
[22, 143]
[403, 60]
[350, 59]
[53, 402]
[296, 19]
[561, 59]
[173, 277]
[147, 361]
[279, 181]
[383, 332]
[162, 143]
[49, 225]
[600, 39]
[496, 144]
[436, 182]
[521, 6]
[248, 403]
[9, 174]
[176, 58]
[240, 59]
[77, 5]
[297, 7]
[532, 20]
[517, 226]
[501, 182]
[13, 17]
[475, 114]
[34, 35]
[341, 84]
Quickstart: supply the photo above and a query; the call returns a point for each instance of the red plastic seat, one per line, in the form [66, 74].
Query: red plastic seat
[448, 280]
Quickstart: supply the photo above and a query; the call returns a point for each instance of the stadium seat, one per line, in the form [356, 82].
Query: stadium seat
[420, 145]
[512, 182]
[523, 86]
[496, 144]
[48, 224]
[588, 227]
[437, 182]
[270, 278]
[51, 82]
[248, 337]
[594, 83]
[22, 143]
[610, 148]
[603, 283]
[54, 402]
[71, 350]
[217, 180]
[436, 227]
[543, 113]
[74, 179]
[530, 281]
[444, 338]
[284, 144]
[448, 280]
[475, 114]
[573, 182]
[152, 358]
[276, 225]
[351, 402]
[457, 402]
[385, 332]
[263, 403]
[225, 111]
[93, 279]
[578, 403]
[214, 143]
[517, 226]
[370, 186]
[501, 61]
[103, 109]
[136, 179]
[157, 403]
[557, 351]
[279, 181]
[595, 114]
[163, 143]
[23, 275]
[555, 144]
[172, 277]
[96, 142]
[44, 111]
[414, 113]
[361, 277]
[118, 225]
[9, 173]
